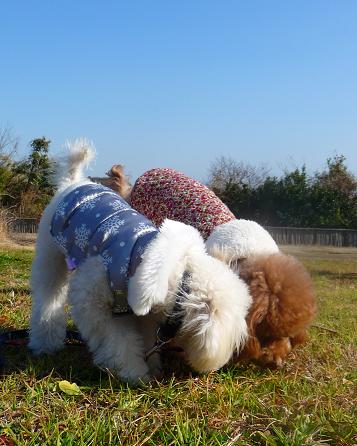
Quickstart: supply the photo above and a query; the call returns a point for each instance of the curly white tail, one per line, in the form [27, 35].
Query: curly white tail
[70, 167]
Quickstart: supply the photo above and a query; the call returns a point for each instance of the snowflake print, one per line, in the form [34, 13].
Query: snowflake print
[123, 269]
[81, 234]
[119, 206]
[89, 204]
[61, 240]
[143, 228]
[61, 209]
[111, 226]
[141, 251]
[107, 259]
[125, 266]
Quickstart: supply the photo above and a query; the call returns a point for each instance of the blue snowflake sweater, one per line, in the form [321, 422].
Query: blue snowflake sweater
[93, 220]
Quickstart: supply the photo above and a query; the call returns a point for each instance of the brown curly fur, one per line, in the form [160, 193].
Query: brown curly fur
[283, 306]
[118, 181]
[283, 298]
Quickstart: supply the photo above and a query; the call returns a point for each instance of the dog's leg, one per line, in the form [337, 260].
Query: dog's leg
[49, 293]
[114, 341]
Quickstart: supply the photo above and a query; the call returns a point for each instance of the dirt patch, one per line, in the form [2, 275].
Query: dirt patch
[17, 240]
[320, 252]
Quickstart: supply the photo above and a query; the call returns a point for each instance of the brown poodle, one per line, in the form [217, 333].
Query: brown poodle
[283, 298]
[283, 307]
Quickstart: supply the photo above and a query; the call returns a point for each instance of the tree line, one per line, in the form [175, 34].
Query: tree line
[325, 199]
[25, 185]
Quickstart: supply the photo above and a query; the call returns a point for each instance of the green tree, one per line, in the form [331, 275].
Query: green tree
[37, 167]
[334, 196]
[327, 199]
[36, 172]
[291, 200]
[239, 197]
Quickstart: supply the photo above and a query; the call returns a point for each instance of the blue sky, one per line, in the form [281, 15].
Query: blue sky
[180, 83]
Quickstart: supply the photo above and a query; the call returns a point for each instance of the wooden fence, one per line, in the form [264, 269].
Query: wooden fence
[283, 236]
[314, 236]
[24, 225]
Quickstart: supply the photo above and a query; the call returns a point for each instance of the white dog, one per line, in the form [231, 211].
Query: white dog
[167, 275]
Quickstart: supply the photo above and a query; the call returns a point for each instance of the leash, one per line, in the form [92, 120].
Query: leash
[167, 331]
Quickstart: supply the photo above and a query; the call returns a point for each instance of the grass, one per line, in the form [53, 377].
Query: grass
[311, 401]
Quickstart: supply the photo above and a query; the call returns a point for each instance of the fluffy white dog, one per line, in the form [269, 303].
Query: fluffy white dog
[168, 277]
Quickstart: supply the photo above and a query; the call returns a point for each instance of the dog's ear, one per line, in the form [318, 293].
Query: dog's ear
[118, 181]
[116, 171]
[260, 293]
[252, 350]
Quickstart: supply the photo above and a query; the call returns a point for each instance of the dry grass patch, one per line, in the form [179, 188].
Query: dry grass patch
[312, 401]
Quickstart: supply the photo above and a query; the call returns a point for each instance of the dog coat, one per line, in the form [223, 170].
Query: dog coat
[92, 220]
[166, 193]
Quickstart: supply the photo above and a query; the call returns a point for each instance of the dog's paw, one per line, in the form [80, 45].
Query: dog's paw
[135, 374]
[139, 307]
[275, 353]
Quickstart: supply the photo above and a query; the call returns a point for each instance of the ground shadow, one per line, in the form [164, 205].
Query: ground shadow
[74, 363]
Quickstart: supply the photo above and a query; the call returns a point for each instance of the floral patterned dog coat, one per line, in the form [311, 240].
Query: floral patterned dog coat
[93, 220]
[166, 193]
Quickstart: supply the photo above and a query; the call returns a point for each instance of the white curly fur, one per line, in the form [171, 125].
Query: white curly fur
[214, 318]
[240, 239]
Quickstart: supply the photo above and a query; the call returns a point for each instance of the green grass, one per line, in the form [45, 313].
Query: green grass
[311, 401]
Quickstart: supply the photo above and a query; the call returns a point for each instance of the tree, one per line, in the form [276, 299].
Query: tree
[36, 171]
[225, 172]
[37, 167]
[337, 176]
[334, 196]
[291, 199]
[328, 199]
[239, 197]
[8, 144]
[8, 148]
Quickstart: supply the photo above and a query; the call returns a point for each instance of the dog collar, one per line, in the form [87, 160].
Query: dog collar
[167, 331]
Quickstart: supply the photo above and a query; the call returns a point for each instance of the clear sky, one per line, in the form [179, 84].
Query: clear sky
[180, 83]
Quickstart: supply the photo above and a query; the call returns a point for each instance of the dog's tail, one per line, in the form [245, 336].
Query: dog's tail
[70, 167]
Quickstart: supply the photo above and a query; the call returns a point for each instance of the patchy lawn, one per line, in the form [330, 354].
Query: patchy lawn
[311, 401]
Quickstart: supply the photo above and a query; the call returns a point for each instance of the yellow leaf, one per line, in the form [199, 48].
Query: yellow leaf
[69, 388]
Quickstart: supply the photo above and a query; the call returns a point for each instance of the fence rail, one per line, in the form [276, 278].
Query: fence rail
[313, 236]
[24, 225]
[282, 236]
